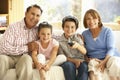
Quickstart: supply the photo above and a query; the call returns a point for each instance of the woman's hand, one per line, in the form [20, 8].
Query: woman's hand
[101, 65]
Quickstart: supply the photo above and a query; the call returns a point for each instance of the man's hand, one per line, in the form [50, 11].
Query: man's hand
[32, 46]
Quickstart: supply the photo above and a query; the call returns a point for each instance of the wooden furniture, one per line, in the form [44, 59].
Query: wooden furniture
[12, 10]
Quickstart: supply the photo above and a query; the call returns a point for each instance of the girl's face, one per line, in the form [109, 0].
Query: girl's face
[69, 28]
[91, 21]
[45, 35]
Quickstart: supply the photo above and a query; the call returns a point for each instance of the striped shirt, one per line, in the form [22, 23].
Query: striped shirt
[16, 38]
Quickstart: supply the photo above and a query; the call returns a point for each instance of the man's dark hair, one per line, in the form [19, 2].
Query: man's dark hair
[36, 6]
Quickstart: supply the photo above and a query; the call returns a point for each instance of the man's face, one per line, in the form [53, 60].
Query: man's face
[32, 17]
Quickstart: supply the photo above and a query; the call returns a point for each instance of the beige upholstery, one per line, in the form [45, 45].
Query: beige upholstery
[51, 74]
[56, 72]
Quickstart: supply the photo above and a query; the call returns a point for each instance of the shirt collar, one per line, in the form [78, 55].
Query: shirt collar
[65, 39]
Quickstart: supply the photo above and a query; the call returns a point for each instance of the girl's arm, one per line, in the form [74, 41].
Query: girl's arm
[38, 65]
[53, 57]
[34, 46]
[34, 57]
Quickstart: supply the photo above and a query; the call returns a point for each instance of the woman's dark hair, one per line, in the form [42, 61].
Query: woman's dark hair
[36, 6]
[44, 24]
[70, 18]
[95, 15]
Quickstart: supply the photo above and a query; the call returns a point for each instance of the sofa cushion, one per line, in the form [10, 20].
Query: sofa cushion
[117, 38]
[55, 73]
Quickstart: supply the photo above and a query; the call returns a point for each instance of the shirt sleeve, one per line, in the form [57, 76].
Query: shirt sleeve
[7, 43]
[60, 50]
[110, 43]
[55, 42]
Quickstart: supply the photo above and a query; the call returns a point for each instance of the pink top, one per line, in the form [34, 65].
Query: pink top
[47, 51]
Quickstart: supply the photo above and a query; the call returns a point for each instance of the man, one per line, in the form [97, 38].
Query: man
[14, 44]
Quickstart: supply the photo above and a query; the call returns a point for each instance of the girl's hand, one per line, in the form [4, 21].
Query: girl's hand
[46, 67]
[38, 65]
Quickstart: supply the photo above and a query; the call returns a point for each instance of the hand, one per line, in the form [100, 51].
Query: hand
[77, 62]
[87, 59]
[75, 45]
[32, 46]
[46, 67]
[38, 65]
[101, 65]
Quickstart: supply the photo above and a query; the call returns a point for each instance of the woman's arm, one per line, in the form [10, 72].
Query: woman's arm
[102, 64]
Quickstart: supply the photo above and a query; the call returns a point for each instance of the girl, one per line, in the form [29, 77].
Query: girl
[45, 50]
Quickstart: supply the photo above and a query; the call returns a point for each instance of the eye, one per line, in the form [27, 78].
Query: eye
[72, 27]
[38, 15]
[32, 13]
[48, 34]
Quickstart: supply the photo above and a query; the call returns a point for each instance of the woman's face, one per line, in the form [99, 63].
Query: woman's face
[45, 35]
[91, 21]
[69, 28]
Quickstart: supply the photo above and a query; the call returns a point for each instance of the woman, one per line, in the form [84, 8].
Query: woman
[100, 46]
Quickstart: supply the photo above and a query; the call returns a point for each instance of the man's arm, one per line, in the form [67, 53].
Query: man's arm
[7, 45]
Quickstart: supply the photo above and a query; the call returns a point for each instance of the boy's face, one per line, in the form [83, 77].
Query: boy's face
[69, 28]
[45, 35]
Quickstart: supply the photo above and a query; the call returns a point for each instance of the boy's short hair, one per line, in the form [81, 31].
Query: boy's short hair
[70, 18]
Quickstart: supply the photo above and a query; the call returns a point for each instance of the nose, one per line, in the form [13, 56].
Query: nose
[45, 36]
[69, 28]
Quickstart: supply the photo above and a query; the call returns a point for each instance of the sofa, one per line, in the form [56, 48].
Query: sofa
[55, 72]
